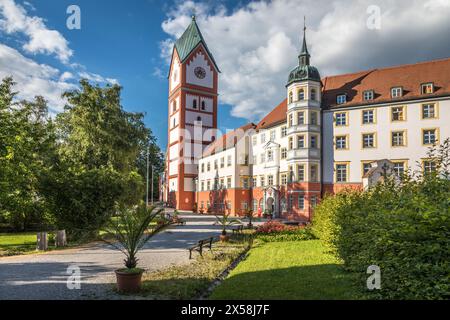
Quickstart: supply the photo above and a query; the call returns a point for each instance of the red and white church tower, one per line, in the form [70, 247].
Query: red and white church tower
[192, 115]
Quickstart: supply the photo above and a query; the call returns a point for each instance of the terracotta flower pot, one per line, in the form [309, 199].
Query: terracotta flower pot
[129, 282]
[224, 238]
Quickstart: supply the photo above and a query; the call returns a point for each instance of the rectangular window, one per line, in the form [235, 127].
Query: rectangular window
[208, 185]
[368, 140]
[270, 180]
[290, 202]
[301, 117]
[229, 183]
[291, 174]
[202, 188]
[313, 173]
[245, 184]
[291, 143]
[368, 95]
[368, 116]
[270, 155]
[283, 132]
[313, 142]
[341, 119]
[427, 88]
[313, 202]
[300, 142]
[244, 205]
[208, 166]
[222, 183]
[429, 166]
[255, 160]
[341, 172]
[341, 142]
[398, 139]
[284, 179]
[429, 136]
[313, 119]
[301, 172]
[229, 161]
[399, 168]
[283, 153]
[254, 182]
[398, 113]
[263, 138]
[262, 180]
[291, 120]
[396, 92]
[429, 111]
[366, 167]
[263, 158]
[254, 140]
[216, 165]
[222, 162]
[341, 99]
[203, 167]
[273, 135]
[301, 202]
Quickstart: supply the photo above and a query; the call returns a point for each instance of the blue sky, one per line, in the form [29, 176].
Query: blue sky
[254, 43]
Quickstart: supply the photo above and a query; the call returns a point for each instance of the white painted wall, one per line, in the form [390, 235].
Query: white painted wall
[200, 60]
[413, 152]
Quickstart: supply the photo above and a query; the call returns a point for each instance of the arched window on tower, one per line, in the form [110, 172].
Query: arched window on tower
[291, 97]
[199, 119]
[174, 122]
[174, 106]
[313, 95]
[203, 105]
[301, 95]
[194, 104]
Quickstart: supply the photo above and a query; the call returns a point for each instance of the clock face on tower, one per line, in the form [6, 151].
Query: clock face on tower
[200, 73]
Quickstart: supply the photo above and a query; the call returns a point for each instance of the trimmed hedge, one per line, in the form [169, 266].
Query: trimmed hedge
[402, 228]
[274, 231]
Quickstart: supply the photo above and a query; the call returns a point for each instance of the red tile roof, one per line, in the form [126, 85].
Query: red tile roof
[228, 140]
[276, 116]
[409, 77]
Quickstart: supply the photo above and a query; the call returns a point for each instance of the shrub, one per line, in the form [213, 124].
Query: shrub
[274, 231]
[401, 227]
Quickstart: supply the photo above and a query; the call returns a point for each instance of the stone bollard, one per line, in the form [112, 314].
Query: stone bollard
[42, 241]
[61, 240]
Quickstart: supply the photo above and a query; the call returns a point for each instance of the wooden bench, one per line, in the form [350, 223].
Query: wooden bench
[199, 246]
[237, 229]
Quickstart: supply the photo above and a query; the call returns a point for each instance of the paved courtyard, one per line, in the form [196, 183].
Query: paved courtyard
[44, 276]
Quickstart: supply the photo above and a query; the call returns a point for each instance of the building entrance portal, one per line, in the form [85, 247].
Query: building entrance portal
[271, 196]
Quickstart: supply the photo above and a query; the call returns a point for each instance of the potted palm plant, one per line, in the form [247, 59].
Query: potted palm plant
[130, 232]
[225, 221]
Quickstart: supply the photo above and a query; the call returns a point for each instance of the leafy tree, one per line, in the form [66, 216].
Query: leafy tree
[27, 143]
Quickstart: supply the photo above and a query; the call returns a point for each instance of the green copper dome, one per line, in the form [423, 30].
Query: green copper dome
[304, 71]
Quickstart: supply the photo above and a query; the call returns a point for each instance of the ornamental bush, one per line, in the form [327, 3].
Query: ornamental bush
[274, 231]
[402, 227]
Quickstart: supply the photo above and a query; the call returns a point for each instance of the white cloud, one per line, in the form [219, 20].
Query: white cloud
[256, 45]
[97, 78]
[34, 79]
[14, 19]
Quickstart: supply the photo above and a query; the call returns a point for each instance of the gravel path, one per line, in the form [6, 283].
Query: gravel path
[44, 276]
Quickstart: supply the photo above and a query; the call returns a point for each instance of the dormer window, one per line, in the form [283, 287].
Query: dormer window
[341, 99]
[427, 88]
[301, 95]
[368, 95]
[396, 92]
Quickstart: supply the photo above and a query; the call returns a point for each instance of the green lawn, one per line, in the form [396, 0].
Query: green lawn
[15, 243]
[288, 270]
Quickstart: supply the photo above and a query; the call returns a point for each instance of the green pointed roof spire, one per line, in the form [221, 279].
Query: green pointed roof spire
[190, 39]
[304, 56]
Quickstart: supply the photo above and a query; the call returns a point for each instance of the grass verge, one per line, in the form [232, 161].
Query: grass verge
[189, 281]
[17, 243]
[296, 270]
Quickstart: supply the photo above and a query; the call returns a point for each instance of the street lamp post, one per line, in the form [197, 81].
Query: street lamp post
[152, 184]
[148, 163]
